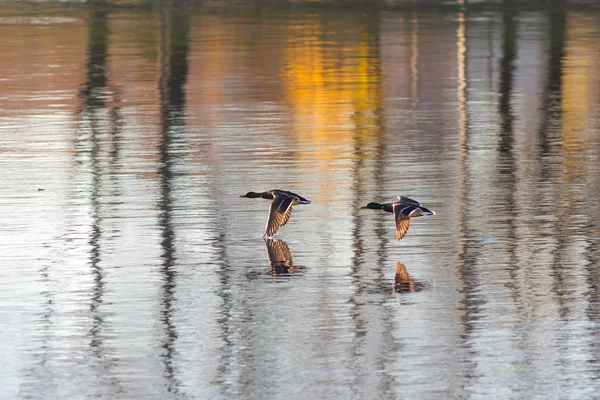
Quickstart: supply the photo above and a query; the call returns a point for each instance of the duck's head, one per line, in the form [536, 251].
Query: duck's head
[374, 206]
[252, 195]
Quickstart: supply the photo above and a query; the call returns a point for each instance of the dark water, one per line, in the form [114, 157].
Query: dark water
[131, 269]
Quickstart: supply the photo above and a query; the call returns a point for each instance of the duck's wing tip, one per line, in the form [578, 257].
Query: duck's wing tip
[408, 200]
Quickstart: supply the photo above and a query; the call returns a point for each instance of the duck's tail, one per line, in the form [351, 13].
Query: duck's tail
[427, 211]
[420, 211]
[301, 200]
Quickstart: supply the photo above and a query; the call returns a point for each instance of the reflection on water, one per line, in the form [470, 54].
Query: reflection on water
[403, 282]
[131, 275]
[280, 257]
[173, 53]
[94, 128]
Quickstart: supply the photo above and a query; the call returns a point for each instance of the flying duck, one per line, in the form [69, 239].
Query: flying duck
[281, 207]
[404, 209]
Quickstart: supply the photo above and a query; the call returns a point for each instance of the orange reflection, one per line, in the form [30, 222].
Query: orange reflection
[51, 82]
[333, 87]
[579, 76]
[461, 93]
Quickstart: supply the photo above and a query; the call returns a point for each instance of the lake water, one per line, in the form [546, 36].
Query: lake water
[131, 268]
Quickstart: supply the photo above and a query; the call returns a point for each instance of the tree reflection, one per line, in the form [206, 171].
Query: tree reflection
[550, 131]
[100, 122]
[171, 85]
[551, 110]
[94, 86]
[465, 259]
[507, 170]
[93, 96]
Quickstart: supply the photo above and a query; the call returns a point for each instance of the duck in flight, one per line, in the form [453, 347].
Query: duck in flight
[404, 209]
[281, 207]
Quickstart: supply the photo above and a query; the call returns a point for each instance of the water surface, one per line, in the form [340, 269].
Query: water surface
[131, 269]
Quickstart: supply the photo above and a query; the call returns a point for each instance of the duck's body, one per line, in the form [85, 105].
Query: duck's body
[281, 207]
[404, 209]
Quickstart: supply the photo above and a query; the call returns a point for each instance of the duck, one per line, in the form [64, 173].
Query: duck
[404, 209]
[280, 211]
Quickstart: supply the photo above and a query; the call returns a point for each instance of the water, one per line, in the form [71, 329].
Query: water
[131, 269]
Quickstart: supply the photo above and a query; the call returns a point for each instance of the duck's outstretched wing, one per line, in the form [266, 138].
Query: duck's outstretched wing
[299, 199]
[408, 201]
[279, 214]
[402, 221]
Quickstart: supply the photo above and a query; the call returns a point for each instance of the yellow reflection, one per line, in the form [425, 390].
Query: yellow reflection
[577, 78]
[333, 88]
[462, 76]
[461, 93]
[414, 59]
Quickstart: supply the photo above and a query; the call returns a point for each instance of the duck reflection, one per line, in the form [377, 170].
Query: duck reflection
[404, 282]
[280, 257]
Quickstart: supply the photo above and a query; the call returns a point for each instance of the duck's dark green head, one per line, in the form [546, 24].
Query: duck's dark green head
[374, 206]
[252, 195]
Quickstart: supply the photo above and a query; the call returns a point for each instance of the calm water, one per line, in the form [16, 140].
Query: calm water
[131, 269]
